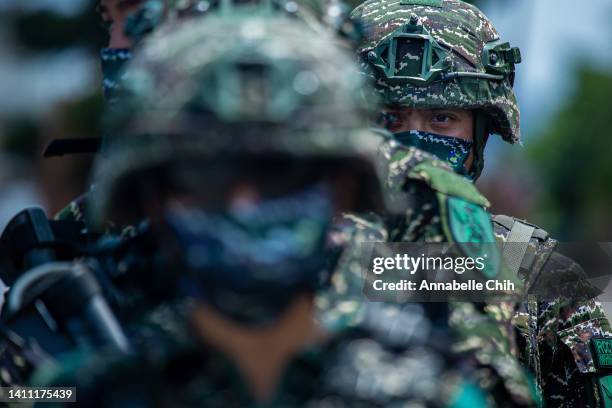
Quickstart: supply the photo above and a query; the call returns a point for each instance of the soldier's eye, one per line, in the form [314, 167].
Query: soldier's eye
[442, 119]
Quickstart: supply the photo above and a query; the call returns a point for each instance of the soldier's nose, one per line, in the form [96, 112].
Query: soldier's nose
[414, 119]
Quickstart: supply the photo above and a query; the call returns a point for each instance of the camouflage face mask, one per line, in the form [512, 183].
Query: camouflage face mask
[452, 150]
[113, 61]
[250, 263]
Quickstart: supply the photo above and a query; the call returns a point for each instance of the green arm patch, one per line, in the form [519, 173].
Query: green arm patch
[469, 222]
[470, 227]
[447, 182]
[602, 352]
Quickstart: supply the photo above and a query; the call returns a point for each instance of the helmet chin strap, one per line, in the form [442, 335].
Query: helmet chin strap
[481, 135]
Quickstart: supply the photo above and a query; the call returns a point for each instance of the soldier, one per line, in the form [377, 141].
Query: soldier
[446, 80]
[130, 21]
[239, 140]
[113, 58]
[497, 370]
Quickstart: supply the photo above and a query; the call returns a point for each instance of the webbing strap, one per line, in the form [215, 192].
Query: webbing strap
[516, 244]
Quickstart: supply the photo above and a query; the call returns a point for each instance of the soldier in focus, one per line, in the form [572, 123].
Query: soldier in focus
[446, 80]
[240, 156]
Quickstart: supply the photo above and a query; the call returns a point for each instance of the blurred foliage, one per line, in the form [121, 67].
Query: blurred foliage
[84, 115]
[574, 157]
[24, 136]
[21, 137]
[47, 30]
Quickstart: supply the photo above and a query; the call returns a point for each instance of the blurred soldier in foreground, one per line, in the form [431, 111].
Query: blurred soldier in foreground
[446, 79]
[239, 140]
[130, 21]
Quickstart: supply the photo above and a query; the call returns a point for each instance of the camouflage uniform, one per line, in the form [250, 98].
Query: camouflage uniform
[450, 56]
[560, 324]
[495, 369]
[358, 366]
[474, 328]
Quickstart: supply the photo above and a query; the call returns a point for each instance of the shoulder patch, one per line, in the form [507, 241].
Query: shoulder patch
[602, 352]
[469, 226]
[469, 222]
[587, 323]
[447, 182]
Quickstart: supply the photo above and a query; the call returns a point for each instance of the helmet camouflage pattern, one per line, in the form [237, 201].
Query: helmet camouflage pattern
[319, 15]
[238, 86]
[432, 54]
[322, 16]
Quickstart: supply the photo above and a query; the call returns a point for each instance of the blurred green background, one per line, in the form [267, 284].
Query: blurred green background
[561, 178]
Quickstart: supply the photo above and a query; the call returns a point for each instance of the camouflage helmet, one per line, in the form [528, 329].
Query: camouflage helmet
[432, 54]
[320, 15]
[234, 86]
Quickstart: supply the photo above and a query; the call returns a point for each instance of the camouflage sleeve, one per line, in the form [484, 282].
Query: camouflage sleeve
[340, 305]
[559, 324]
[417, 185]
[573, 339]
[74, 211]
[480, 332]
[77, 209]
[420, 185]
[571, 372]
[412, 179]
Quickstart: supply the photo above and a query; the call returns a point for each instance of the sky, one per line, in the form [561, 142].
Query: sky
[33, 83]
[555, 36]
